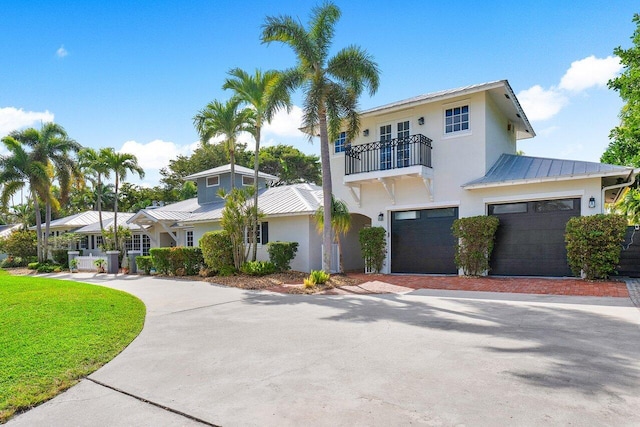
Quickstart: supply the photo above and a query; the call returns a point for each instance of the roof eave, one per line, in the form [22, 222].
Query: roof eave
[542, 180]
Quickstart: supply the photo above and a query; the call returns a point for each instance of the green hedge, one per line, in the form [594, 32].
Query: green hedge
[594, 244]
[258, 268]
[144, 263]
[476, 237]
[217, 251]
[177, 261]
[373, 242]
[281, 254]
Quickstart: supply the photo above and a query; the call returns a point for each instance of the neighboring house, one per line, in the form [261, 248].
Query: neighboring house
[420, 163]
[87, 226]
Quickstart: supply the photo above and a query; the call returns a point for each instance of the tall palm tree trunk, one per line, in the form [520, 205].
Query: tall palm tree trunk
[327, 190]
[115, 215]
[232, 162]
[256, 166]
[36, 205]
[100, 205]
[47, 224]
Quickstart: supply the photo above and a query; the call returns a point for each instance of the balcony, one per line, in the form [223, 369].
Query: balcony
[396, 153]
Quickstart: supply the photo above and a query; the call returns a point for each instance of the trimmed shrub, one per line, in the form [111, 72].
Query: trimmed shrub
[217, 251]
[48, 268]
[14, 261]
[33, 265]
[177, 261]
[258, 268]
[281, 254]
[373, 243]
[476, 237]
[594, 244]
[144, 263]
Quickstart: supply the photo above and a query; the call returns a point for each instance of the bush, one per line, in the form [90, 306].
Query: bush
[21, 244]
[281, 254]
[476, 236]
[373, 243]
[177, 261]
[217, 251]
[60, 256]
[33, 265]
[258, 268]
[14, 261]
[594, 244]
[318, 277]
[48, 268]
[144, 263]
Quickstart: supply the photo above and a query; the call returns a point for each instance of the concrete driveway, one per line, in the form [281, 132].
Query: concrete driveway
[223, 356]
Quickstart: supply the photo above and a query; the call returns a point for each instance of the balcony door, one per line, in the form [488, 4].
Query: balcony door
[403, 144]
[385, 147]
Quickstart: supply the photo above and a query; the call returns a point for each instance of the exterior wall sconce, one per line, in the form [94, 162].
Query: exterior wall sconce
[421, 121]
[380, 217]
[365, 132]
[592, 202]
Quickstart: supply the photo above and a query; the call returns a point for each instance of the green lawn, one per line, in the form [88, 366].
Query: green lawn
[55, 332]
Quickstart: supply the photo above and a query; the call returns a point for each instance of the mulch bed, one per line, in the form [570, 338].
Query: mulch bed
[291, 283]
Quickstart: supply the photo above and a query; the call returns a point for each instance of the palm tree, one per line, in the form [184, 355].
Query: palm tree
[120, 164]
[94, 163]
[340, 222]
[265, 96]
[331, 86]
[18, 169]
[218, 119]
[629, 205]
[51, 146]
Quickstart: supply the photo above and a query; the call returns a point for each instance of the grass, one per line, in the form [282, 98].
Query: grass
[55, 332]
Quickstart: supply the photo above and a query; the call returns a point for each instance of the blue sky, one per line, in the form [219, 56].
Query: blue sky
[131, 75]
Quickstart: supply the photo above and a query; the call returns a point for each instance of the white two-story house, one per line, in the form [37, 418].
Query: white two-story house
[420, 163]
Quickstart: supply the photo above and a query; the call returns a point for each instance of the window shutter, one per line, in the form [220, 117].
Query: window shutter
[264, 233]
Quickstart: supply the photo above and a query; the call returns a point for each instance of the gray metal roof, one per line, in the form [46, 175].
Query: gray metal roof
[285, 200]
[80, 219]
[123, 218]
[241, 170]
[7, 229]
[513, 169]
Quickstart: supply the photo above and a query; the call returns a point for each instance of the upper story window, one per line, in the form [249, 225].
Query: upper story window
[456, 119]
[403, 129]
[247, 180]
[213, 181]
[340, 143]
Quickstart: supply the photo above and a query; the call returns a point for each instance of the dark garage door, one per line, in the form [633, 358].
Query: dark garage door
[421, 241]
[530, 238]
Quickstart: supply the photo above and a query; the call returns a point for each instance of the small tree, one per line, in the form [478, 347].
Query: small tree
[281, 254]
[21, 244]
[594, 244]
[373, 242]
[476, 236]
[237, 218]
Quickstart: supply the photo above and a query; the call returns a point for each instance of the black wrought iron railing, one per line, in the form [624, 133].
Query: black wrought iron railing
[391, 154]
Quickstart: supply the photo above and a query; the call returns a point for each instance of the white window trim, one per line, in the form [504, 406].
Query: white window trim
[346, 143]
[212, 185]
[456, 134]
[249, 177]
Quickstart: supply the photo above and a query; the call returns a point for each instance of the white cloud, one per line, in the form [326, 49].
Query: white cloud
[285, 124]
[13, 119]
[547, 131]
[61, 52]
[157, 153]
[541, 104]
[589, 72]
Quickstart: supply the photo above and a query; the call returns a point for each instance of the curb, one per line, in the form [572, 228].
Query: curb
[633, 286]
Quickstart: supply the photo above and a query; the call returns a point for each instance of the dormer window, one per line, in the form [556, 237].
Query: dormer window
[340, 143]
[456, 119]
[213, 181]
[247, 181]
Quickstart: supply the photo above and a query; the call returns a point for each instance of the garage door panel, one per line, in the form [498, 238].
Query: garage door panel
[424, 244]
[531, 242]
